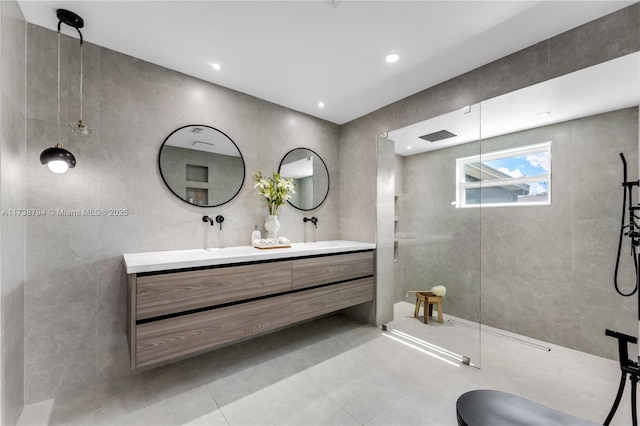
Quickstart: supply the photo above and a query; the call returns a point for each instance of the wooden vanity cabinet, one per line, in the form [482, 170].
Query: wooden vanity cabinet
[174, 337]
[315, 271]
[319, 301]
[176, 313]
[164, 294]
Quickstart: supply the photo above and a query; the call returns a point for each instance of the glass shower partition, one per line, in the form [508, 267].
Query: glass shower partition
[436, 239]
[517, 214]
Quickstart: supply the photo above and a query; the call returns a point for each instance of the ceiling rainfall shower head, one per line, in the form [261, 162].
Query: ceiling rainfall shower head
[438, 136]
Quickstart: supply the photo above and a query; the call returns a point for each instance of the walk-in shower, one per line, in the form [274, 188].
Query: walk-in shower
[514, 214]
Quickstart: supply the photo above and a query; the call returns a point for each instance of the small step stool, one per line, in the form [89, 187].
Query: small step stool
[429, 299]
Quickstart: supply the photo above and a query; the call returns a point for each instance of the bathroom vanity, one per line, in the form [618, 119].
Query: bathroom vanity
[185, 302]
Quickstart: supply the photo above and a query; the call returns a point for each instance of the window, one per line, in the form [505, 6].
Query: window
[513, 177]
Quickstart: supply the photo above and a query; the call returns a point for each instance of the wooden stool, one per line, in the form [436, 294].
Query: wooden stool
[429, 299]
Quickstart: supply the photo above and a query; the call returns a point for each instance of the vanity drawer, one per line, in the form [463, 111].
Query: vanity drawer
[163, 294]
[173, 337]
[322, 300]
[327, 269]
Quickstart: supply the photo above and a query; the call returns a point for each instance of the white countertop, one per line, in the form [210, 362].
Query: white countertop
[178, 259]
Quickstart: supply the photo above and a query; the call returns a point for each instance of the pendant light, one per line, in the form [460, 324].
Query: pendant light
[58, 159]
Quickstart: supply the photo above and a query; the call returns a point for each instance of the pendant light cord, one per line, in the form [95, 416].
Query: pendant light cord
[58, 84]
[81, 73]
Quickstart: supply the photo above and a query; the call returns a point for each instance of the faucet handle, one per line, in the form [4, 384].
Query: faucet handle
[219, 219]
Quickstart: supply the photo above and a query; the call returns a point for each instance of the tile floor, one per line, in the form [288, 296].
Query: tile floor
[335, 371]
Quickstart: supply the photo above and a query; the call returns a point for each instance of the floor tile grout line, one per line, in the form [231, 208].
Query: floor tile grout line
[302, 376]
[217, 405]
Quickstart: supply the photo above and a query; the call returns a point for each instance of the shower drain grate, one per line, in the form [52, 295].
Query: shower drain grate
[504, 336]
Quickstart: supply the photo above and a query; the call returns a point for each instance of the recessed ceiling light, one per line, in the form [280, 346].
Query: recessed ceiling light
[544, 114]
[216, 66]
[408, 147]
[391, 58]
[320, 104]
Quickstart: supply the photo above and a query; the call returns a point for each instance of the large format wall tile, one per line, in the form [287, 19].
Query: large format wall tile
[60, 349]
[74, 324]
[436, 236]
[12, 201]
[12, 371]
[538, 268]
[74, 263]
[12, 223]
[606, 38]
[13, 27]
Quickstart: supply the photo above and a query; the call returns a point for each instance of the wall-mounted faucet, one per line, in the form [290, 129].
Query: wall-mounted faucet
[219, 219]
[313, 220]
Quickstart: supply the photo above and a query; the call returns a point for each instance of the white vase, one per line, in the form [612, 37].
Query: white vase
[272, 225]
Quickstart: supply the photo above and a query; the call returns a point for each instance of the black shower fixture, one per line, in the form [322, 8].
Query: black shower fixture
[438, 136]
[628, 367]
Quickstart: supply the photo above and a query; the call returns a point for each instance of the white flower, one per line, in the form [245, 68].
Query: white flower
[274, 189]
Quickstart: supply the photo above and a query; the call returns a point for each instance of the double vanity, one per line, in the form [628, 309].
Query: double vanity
[185, 302]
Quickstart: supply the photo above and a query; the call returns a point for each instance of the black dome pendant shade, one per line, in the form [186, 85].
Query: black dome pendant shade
[58, 154]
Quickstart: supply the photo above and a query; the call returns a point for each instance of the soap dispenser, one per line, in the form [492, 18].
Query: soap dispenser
[255, 235]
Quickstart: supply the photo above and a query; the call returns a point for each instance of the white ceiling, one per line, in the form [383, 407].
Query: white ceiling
[608, 86]
[297, 53]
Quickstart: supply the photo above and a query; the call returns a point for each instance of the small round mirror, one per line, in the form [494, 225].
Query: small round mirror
[309, 174]
[201, 165]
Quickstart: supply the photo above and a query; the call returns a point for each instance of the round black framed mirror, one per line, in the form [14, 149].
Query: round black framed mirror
[309, 174]
[201, 165]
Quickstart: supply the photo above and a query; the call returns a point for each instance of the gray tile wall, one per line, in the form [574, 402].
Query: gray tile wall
[74, 314]
[12, 199]
[609, 37]
[555, 280]
[75, 291]
[443, 244]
